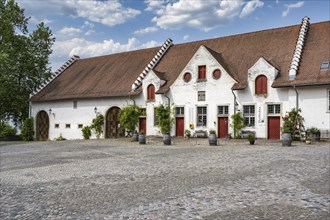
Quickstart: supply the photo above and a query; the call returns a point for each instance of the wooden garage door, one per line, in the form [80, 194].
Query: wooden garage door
[274, 124]
[42, 126]
[112, 129]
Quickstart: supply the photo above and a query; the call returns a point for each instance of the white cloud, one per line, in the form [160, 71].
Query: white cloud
[277, 1]
[200, 14]
[250, 7]
[69, 32]
[105, 12]
[291, 6]
[185, 37]
[89, 32]
[85, 48]
[146, 30]
[34, 20]
[153, 5]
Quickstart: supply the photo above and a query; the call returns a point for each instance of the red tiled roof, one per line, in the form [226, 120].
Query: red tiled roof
[113, 75]
[104, 76]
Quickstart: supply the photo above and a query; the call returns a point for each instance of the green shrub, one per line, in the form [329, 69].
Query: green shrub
[129, 117]
[165, 120]
[87, 132]
[97, 125]
[6, 130]
[237, 124]
[60, 138]
[28, 130]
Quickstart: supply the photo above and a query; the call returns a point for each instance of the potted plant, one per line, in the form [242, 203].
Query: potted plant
[87, 133]
[286, 131]
[129, 118]
[251, 138]
[308, 140]
[213, 140]
[237, 124]
[142, 137]
[315, 133]
[187, 133]
[165, 121]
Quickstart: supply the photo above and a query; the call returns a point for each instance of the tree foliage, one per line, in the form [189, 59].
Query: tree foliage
[129, 117]
[237, 123]
[24, 60]
[165, 120]
[97, 125]
[28, 129]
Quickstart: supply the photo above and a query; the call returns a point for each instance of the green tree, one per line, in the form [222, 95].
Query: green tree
[24, 60]
[165, 120]
[129, 117]
[237, 124]
[97, 125]
[28, 130]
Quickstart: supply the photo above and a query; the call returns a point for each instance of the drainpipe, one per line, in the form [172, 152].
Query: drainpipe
[232, 91]
[129, 96]
[297, 97]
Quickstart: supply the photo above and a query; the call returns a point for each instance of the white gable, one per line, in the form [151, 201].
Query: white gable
[262, 67]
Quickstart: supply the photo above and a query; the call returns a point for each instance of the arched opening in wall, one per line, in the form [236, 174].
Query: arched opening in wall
[112, 128]
[42, 126]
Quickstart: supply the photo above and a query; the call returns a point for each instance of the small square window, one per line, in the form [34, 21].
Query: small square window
[75, 104]
[143, 112]
[274, 109]
[57, 126]
[67, 125]
[325, 65]
[201, 95]
[80, 125]
[179, 111]
[223, 110]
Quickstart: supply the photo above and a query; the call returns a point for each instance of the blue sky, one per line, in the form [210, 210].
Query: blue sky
[91, 28]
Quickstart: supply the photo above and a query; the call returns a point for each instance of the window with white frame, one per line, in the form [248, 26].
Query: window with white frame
[274, 109]
[249, 115]
[201, 116]
[201, 95]
[223, 110]
[156, 123]
[179, 111]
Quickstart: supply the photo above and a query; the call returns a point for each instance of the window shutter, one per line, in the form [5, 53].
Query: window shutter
[261, 85]
[202, 72]
[151, 92]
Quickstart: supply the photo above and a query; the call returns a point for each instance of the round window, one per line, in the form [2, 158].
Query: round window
[187, 77]
[216, 74]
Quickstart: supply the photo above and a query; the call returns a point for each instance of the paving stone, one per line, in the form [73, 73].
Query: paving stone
[119, 179]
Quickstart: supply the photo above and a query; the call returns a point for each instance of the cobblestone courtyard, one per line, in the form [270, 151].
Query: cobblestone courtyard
[118, 179]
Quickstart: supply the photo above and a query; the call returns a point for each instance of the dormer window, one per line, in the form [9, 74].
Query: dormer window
[202, 72]
[325, 65]
[261, 85]
[151, 92]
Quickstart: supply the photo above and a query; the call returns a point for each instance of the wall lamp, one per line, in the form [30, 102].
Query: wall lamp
[95, 110]
[50, 111]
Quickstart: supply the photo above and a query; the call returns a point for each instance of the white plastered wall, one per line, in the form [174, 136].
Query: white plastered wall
[274, 96]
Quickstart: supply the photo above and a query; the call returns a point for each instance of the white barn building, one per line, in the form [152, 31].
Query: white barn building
[262, 74]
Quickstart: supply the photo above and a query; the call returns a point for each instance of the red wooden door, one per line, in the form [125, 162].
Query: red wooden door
[42, 127]
[179, 127]
[274, 127]
[222, 127]
[143, 125]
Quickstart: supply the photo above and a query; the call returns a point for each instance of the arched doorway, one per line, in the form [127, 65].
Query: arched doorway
[42, 126]
[112, 130]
